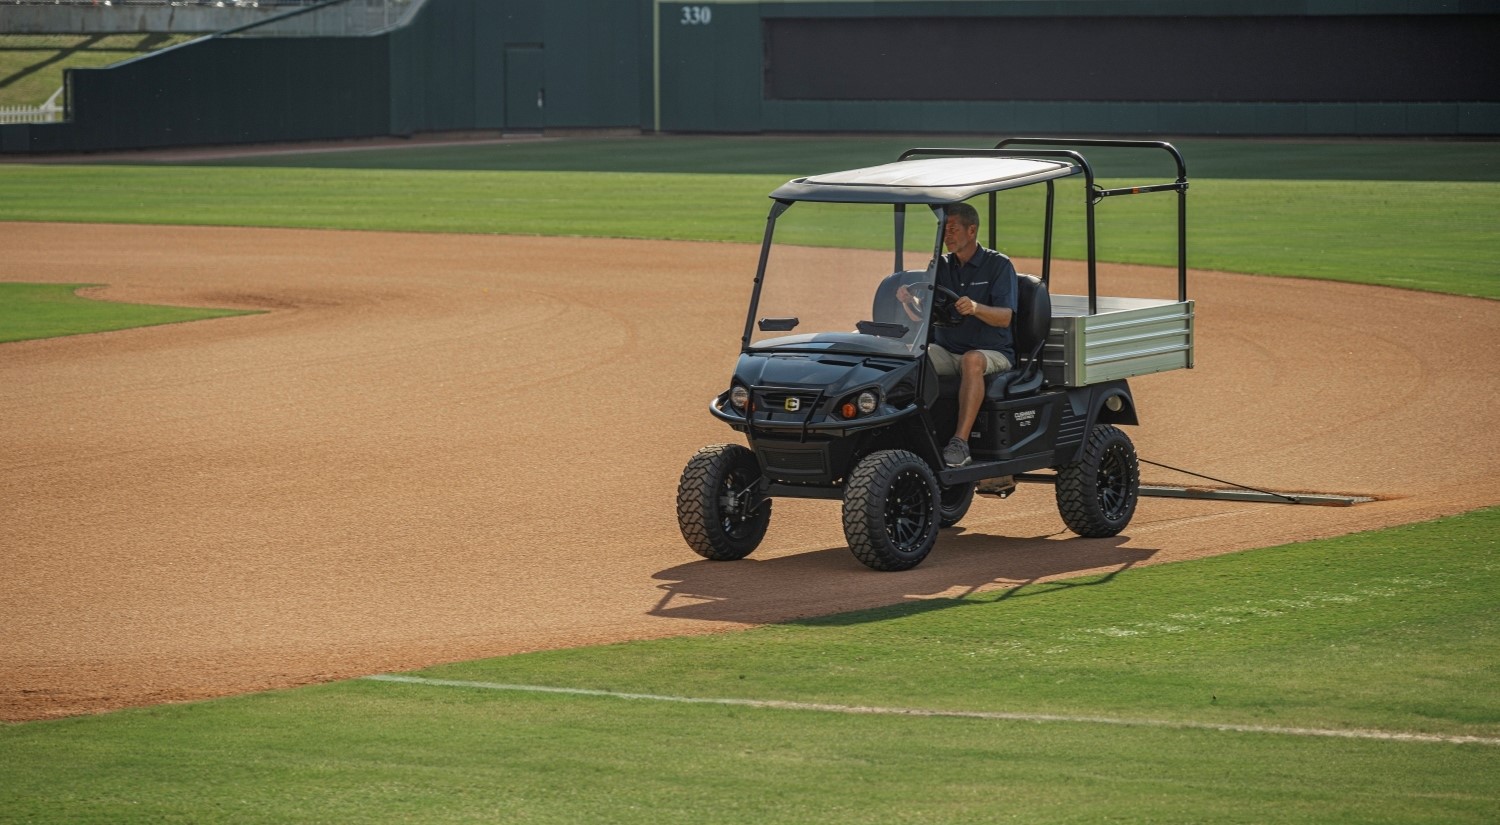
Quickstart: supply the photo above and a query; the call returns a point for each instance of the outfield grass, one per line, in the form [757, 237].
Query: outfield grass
[1433, 236]
[31, 65]
[29, 311]
[789, 156]
[1365, 211]
[1392, 630]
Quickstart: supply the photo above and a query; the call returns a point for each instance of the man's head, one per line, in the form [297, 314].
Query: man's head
[961, 229]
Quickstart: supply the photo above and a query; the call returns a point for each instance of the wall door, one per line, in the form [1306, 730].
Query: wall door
[525, 87]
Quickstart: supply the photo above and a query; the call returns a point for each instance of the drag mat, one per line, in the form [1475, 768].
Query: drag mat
[438, 447]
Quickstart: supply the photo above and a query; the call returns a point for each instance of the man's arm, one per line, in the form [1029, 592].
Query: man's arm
[994, 316]
[909, 302]
[1002, 293]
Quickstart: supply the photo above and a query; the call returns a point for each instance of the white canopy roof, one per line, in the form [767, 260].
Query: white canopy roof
[924, 180]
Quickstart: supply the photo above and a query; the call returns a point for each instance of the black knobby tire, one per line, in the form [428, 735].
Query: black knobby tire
[718, 520]
[1096, 496]
[954, 502]
[891, 510]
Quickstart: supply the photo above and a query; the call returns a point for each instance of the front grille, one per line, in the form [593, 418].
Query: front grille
[775, 401]
[794, 461]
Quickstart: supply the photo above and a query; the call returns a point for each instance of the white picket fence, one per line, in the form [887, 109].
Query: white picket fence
[49, 112]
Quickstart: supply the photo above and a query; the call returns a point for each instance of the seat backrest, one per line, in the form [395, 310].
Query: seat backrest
[1033, 316]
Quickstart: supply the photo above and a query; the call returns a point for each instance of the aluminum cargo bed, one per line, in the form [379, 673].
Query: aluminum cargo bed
[1126, 338]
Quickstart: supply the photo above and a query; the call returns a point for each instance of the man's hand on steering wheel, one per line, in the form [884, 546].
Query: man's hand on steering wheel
[945, 307]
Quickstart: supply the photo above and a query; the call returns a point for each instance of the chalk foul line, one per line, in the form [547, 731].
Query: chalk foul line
[777, 704]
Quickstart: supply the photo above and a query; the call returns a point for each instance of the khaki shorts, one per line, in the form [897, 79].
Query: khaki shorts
[946, 363]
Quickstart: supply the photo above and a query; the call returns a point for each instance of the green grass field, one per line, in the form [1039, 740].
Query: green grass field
[1436, 234]
[29, 311]
[1392, 631]
[787, 156]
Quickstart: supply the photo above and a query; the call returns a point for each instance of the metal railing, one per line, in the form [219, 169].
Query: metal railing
[50, 112]
[334, 18]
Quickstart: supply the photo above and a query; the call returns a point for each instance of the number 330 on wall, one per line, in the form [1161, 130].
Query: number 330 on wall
[697, 15]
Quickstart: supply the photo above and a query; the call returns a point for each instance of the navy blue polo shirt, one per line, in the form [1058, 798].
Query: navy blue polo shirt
[988, 278]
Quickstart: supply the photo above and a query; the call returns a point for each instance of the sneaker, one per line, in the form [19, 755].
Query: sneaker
[956, 454]
[1002, 487]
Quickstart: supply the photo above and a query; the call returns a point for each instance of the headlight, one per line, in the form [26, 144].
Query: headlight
[862, 404]
[739, 397]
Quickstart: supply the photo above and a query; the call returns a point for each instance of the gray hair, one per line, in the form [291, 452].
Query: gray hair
[966, 214]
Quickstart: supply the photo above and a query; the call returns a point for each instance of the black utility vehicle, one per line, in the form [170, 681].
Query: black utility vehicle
[837, 399]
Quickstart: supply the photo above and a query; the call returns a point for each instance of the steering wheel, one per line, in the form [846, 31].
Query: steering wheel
[944, 314]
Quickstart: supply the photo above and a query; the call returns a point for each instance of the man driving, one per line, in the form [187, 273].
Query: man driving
[981, 344]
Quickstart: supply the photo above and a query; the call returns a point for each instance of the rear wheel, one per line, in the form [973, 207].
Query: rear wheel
[720, 511]
[954, 502]
[1096, 495]
[891, 510]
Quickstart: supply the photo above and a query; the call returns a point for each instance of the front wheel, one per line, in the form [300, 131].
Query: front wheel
[1096, 495]
[720, 510]
[891, 510]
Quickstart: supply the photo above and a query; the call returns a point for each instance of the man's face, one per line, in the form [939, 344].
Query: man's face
[956, 236]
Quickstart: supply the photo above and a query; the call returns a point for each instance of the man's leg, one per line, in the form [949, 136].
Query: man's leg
[974, 365]
[971, 369]
[970, 392]
[956, 451]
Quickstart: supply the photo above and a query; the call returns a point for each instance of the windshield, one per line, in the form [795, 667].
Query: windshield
[845, 300]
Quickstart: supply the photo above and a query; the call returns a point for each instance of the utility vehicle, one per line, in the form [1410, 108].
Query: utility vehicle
[837, 399]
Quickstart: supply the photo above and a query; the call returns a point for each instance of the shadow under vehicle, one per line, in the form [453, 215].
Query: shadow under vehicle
[837, 399]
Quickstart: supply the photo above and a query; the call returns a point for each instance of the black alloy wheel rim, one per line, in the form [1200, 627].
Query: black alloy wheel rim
[908, 510]
[1114, 482]
[733, 518]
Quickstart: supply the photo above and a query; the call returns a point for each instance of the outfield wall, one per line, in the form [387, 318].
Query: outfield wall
[291, 89]
[457, 65]
[1340, 67]
[1301, 68]
[518, 65]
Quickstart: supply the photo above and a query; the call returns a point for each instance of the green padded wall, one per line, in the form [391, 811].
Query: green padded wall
[464, 65]
[230, 90]
[719, 75]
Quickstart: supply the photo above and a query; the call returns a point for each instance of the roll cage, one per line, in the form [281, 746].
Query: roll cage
[941, 176]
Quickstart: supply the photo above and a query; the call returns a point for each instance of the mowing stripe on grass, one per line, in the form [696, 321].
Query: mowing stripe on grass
[776, 704]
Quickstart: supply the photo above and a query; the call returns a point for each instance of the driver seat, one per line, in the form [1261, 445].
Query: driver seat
[1029, 329]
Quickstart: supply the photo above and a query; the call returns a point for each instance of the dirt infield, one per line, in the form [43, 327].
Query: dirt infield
[443, 447]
